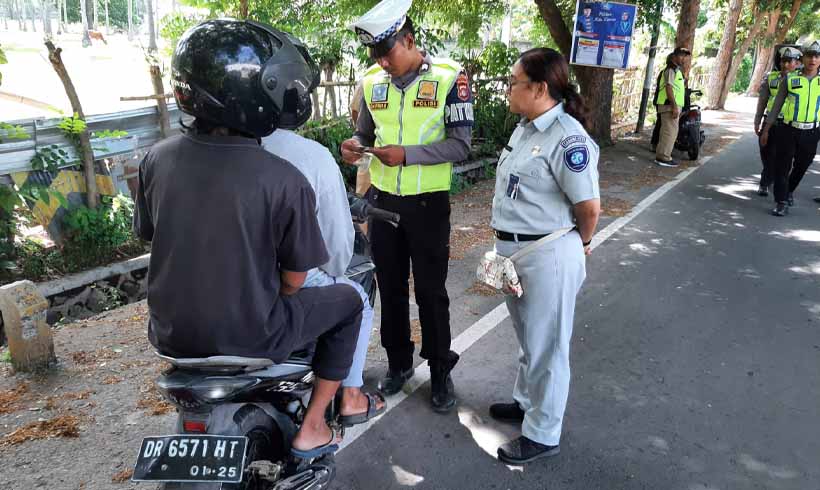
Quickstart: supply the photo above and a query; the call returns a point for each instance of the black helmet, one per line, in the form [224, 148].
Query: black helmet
[243, 75]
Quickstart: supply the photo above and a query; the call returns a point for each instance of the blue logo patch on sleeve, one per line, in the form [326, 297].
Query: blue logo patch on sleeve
[577, 158]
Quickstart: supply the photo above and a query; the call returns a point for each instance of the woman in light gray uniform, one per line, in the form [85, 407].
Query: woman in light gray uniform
[547, 182]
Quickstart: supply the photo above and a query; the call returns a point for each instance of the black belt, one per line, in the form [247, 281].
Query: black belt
[517, 237]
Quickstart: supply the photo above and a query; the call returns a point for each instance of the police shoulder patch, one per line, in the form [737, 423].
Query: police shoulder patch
[577, 158]
[571, 140]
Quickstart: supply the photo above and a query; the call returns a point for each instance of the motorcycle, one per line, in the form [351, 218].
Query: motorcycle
[690, 135]
[237, 415]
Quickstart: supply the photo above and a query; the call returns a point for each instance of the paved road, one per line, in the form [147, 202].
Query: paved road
[696, 360]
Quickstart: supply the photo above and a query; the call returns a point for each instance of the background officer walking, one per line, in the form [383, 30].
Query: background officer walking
[796, 139]
[669, 101]
[418, 113]
[786, 61]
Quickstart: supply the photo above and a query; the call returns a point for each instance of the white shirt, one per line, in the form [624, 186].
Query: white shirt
[332, 209]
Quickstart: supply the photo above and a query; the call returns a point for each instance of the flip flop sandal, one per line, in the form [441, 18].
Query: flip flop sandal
[319, 451]
[372, 411]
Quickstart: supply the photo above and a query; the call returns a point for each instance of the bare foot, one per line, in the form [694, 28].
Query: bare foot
[311, 436]
[354, 402]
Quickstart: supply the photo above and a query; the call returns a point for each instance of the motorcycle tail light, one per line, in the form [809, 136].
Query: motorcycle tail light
[194, 426]
[693, 115]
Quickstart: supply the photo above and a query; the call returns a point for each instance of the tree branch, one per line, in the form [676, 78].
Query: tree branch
[555, 23]
[87, 153]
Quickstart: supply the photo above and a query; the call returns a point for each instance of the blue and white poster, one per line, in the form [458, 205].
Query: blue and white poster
[603, 34]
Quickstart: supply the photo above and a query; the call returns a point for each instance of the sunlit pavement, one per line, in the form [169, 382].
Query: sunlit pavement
[696, 360]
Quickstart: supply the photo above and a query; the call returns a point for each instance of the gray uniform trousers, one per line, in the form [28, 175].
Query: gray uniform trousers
[551, 277]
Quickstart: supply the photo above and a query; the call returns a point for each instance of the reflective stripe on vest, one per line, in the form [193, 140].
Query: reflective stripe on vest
[803, 100]
[678, 88]
[774, 82]
[413, 116]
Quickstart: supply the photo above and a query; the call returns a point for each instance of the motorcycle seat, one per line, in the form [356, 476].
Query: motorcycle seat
[235, 363]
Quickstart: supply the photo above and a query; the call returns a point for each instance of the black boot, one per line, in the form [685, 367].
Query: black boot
[790, 199]
[443, 397]
[394, 380]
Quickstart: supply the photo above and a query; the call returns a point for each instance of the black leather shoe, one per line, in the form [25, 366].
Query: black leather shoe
[781, 209]
[523, 450]
[394, 380]
[508, 412]
[762, 190]
[443, 396]
[790, 199]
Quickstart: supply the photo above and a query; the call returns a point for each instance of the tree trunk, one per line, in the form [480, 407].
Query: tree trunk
[21, 24]
[130, 20]
[787, 23]
[765, 50]
[717, 80]
[593, 81]
[31, 15]
[739, 55]
[54, 56]
[46, 17]
[243, 9]
[83, 14]
[685, 36]
[107, 20]
[162, 106]
[89, 12]
[650, 66]
[329, 69]
[95, 14]
[152, 34]
[317, 110]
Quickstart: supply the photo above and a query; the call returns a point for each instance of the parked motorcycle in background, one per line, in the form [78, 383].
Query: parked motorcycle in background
[690, 133]
[237, 415]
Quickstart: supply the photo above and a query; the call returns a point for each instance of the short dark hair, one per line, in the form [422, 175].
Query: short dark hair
[683, 51]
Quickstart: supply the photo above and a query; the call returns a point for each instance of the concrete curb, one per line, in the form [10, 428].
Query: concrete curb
[81, 279]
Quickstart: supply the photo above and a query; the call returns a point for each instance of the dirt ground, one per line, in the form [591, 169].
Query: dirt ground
[74, 428]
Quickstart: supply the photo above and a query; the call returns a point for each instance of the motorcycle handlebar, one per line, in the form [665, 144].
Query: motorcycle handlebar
[381, 214]
[361, 209]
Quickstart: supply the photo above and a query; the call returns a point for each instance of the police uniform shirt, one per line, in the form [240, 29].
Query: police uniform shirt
[549, 165]
[763, 98]
[780, 98]
[224, 215]
[458, 124]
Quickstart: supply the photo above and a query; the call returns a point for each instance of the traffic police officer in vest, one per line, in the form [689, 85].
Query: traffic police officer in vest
[786, 61]
[416, 120]
[669, 101]
[796, 139]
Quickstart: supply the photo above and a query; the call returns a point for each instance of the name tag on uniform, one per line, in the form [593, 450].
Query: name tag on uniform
[512, 186]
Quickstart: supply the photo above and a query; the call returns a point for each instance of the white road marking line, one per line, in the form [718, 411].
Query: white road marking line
[500, 313]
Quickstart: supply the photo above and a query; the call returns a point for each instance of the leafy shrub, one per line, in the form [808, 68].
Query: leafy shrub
[96, 235]
[744, 75]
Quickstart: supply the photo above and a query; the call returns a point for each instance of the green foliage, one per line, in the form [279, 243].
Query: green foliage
[72, 125]
[459, 184]
[174, 25]
[49, 158]
[493, 121]
[117, 12]
[330, 133]
[744, 74]
[3, 61]
[10, 132]
[109, 133]
[497, 59]
[95, 235]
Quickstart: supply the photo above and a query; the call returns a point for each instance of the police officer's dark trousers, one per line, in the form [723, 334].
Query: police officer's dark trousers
[795, 151]
[423, 240]
[768, 156]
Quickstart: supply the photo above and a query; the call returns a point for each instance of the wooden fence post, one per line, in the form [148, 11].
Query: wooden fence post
[24, 321]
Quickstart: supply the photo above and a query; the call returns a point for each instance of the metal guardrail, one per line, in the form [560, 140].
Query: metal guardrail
[142, 126]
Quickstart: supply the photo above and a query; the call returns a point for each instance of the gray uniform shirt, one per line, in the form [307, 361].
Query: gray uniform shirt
[780, 99]
[763, 99]
[454, 148]
[549, 165]
[332, 209]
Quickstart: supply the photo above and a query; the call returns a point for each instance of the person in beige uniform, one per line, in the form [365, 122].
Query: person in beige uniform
[669, 101]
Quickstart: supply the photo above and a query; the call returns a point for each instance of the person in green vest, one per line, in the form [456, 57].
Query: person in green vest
[797, 135]
[416, 120]
[669, 101]
[787, 59]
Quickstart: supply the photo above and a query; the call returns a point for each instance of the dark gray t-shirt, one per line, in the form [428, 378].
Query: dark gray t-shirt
[224, 217]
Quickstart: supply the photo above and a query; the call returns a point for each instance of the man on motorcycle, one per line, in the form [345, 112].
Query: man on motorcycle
[332, 210]
[233, 227]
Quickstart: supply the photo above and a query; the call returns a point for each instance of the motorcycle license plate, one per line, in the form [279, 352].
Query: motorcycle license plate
[191, 458]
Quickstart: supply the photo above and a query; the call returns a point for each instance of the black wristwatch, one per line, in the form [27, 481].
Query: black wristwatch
[586, 244]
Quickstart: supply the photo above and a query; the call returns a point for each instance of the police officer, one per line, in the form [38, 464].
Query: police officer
[669, 100]
[418, 113]
[796, 137]
[547, 180]
[786, 61]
